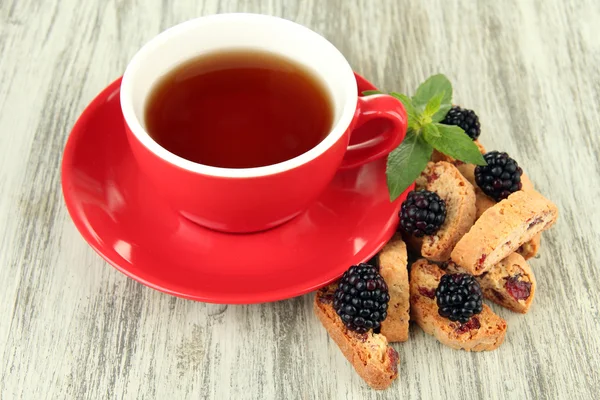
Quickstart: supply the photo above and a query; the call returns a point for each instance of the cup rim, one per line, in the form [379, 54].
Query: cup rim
[133, 122]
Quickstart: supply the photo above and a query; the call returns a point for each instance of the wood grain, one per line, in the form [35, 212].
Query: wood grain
[73, 327]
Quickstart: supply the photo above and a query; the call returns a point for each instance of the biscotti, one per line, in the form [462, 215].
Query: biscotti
[510, 283]
[393, 262]
[483, 202]
[370, 355]
[502, 229]
[444, 179]
[484, 331]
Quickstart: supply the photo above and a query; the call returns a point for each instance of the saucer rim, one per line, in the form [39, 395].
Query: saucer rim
[278, 294]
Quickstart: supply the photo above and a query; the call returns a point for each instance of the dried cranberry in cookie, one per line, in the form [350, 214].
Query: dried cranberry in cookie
[518, 289]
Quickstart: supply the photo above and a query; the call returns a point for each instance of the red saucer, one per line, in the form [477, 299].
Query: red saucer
[128, 223]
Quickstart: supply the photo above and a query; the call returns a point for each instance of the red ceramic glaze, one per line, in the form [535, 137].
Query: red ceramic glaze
[120, 214]
[388, 121]
[260, 202]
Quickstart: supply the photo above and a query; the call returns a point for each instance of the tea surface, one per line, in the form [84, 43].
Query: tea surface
[239, 109]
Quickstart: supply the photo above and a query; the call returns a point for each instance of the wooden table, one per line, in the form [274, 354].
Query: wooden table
[73, 327]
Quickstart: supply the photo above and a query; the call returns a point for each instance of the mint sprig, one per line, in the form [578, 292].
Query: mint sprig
[425, 110]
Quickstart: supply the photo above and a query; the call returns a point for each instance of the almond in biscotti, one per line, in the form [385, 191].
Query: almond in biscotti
[502, 229]
[369, 353]
[444, 179]
[393, 262]
[510, 283]
[483, 331]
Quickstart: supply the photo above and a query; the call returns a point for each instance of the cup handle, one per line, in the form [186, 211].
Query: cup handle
[380, 142]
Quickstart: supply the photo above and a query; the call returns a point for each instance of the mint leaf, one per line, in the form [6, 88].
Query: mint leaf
[406, 162]
[413, 115]
[433, 105]
[370, 92]
[441, 113]
[430, 130]
[430, 88]
[453, 141]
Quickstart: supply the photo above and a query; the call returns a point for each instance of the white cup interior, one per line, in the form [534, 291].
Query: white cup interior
[237, 31]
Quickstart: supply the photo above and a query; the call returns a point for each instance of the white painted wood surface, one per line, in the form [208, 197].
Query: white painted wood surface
[71, 327]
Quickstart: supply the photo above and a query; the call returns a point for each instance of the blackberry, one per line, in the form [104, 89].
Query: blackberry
[422, 213]
[500, 177]
[466, 119]
[361, 299]
[459, 297]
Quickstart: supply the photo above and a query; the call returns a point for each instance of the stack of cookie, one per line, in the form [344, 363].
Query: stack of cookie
[483, 237]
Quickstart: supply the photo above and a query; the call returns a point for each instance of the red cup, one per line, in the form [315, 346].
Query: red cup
[253, 199]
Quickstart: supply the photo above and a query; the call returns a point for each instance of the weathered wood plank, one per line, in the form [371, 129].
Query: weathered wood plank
[73, 327]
